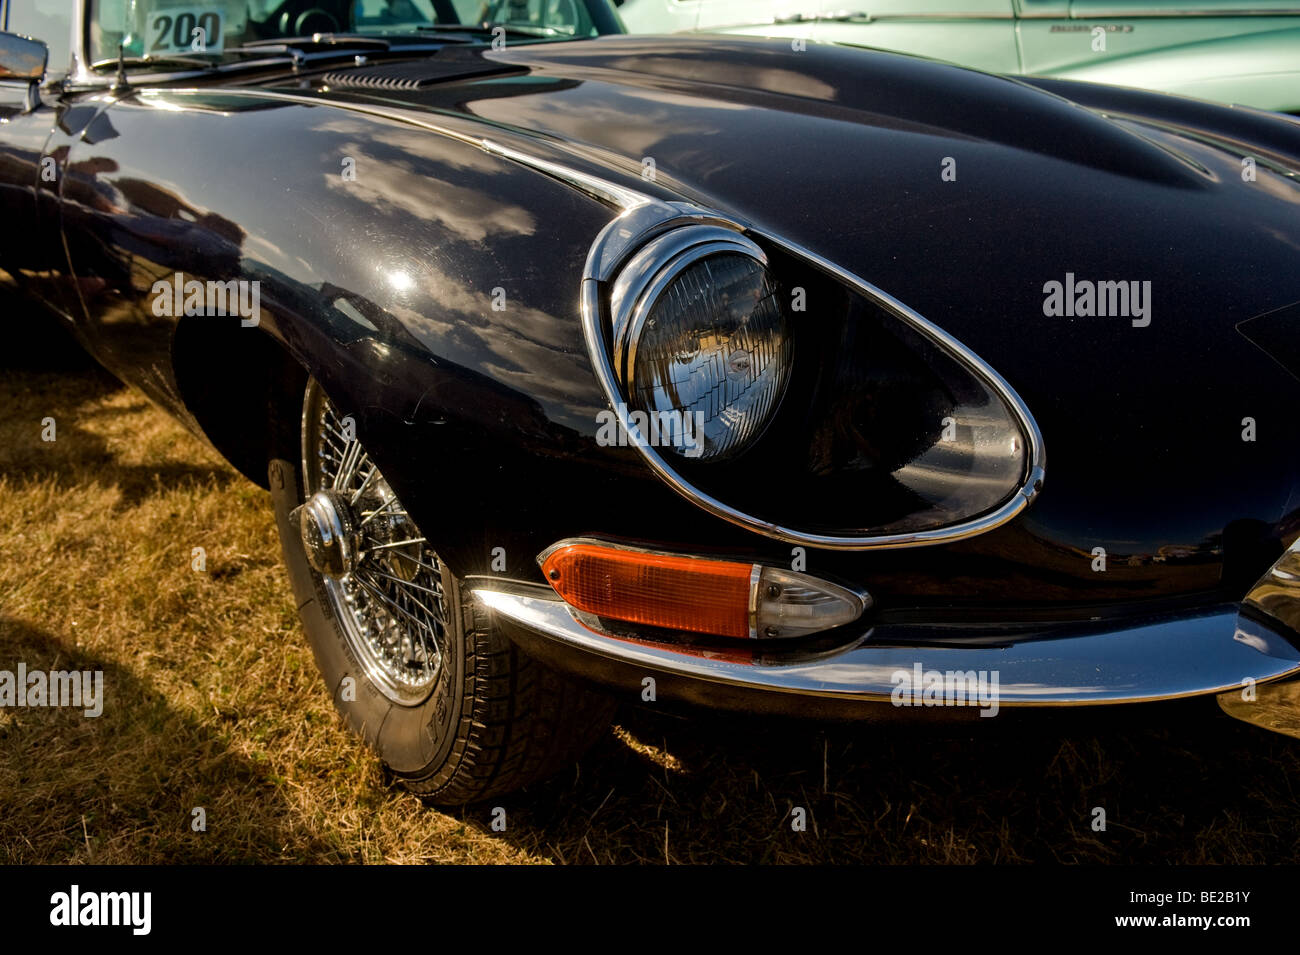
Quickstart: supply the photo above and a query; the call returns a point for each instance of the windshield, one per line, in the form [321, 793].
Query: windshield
[168, 29]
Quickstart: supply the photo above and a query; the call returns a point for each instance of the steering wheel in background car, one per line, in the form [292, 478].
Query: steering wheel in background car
[314, 20]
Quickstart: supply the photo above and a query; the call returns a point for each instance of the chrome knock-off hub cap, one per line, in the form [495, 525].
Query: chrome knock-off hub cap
[383, 580]
[329, 534]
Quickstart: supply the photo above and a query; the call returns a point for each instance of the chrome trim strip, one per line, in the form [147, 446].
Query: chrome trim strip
[594, 186]
[1197, 654]
[1118, 12]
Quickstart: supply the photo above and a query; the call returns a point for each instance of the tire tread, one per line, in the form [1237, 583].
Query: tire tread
[521, 721]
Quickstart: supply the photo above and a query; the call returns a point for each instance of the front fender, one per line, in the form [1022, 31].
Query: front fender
[430, 286]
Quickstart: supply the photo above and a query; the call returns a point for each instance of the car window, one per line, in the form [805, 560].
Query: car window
[49, 21]
[166, 27]
[161, 28]
[373, 13]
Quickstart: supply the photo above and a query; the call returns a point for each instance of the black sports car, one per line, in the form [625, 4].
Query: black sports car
[715, 369]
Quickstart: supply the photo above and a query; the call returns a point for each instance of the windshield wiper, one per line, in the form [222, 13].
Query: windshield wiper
[147, 60]
[286, 50]
[300, 43]
[297, 49]
[509, 29]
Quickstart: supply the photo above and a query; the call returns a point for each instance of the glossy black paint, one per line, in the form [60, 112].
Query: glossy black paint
[484, 420]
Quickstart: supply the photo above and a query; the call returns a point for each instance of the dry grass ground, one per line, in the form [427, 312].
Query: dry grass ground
[213, 701]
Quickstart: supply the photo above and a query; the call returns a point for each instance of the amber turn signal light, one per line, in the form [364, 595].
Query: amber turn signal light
[695, 594]
[677, 593]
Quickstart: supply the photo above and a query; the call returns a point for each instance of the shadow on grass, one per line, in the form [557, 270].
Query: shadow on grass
[49, 375]
[1178, 783]
[121, 787]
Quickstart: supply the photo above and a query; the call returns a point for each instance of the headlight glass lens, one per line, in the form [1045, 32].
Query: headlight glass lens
[712, 357]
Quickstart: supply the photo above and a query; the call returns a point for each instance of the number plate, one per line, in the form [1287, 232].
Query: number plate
[185, 30]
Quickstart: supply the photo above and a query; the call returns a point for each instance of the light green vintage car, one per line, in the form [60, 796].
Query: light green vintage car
[1235, 51]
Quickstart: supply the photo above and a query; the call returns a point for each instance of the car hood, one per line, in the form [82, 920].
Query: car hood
[965, 196]
[938, 172]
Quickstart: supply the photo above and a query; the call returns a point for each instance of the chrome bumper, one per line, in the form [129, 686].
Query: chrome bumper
[1162, 659]
[1248, 654]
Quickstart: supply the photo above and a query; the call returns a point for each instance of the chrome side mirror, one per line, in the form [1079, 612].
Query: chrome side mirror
[22, 58]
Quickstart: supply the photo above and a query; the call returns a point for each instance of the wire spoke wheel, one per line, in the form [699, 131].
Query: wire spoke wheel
[383, 579]
[456, 711]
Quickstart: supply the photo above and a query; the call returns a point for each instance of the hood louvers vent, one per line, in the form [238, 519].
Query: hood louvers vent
[417, 75]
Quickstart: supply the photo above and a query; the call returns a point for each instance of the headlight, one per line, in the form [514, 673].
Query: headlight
[702, 343]
[888, 433]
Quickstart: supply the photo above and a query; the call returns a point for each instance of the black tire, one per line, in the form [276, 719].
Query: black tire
[495, 719]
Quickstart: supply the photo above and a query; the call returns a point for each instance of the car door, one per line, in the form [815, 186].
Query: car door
[32, 262]
[1242, 51]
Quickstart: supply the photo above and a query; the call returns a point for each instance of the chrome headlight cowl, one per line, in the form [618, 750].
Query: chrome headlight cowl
[887, 432]
[701, 340]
